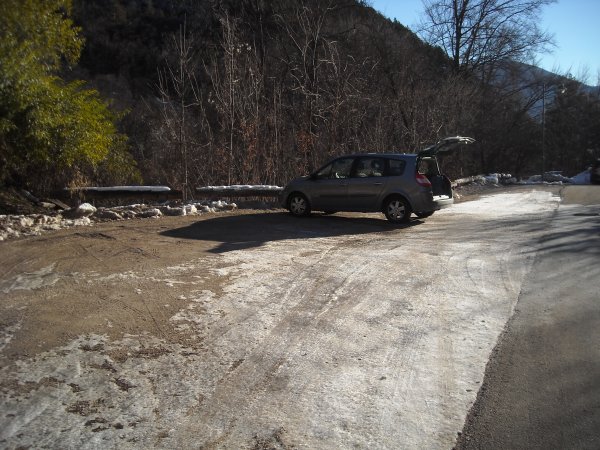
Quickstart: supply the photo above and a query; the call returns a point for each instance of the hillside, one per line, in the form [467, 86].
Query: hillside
[272, 89]
[254, 92]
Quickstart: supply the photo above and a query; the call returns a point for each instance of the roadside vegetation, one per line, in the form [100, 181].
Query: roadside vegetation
[53, 131]
[194, 93]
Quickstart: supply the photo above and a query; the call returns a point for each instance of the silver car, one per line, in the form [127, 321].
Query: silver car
[396, 184]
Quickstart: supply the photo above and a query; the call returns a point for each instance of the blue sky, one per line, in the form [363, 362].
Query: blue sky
[574, 23]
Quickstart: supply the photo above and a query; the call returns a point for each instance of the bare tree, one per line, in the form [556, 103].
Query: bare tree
[304, 31]
[478, 34]
[179, 92]
[238, 97]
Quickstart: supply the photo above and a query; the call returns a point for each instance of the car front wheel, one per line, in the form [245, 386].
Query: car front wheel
[397, 210]
[298, 205]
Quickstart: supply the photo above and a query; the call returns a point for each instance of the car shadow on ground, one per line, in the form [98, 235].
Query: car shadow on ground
[243, 231]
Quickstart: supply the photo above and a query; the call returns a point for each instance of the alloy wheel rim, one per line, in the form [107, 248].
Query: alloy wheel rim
[298, 205]
[397, 210]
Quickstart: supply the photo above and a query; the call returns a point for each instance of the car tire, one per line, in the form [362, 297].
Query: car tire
[423, 215]
[397, 210]
[298, 205]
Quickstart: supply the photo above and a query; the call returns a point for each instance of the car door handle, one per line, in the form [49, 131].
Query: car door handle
[378, 184]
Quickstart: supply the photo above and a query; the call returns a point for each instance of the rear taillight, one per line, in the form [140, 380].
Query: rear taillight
[422, 180]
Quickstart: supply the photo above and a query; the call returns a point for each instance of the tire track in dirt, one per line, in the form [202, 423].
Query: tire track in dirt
[318, 304]
[259, 372]
[303, 326]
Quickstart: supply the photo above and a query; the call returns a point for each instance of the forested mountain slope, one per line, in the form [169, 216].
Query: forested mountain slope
[256, 91]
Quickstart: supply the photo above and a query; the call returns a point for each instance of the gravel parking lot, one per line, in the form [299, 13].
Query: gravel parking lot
[253, 329]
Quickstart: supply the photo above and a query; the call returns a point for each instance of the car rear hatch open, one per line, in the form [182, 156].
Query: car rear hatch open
[445, 146]
[427, 166]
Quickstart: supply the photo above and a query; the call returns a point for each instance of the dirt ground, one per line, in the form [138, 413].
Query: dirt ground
[253, 329]
[124, 248]
[92, 256]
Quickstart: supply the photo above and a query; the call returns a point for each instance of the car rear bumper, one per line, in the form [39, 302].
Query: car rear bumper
[442, 201]
[425, 202]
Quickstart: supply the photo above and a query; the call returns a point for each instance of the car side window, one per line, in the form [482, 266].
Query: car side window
[369, 167]
[396, 167]
[340, 168]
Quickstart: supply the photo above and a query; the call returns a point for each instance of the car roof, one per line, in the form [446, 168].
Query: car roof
[443, 145]
[385, 155]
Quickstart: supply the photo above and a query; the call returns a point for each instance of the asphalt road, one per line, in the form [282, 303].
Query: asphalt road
[542, 384]
[258, 330]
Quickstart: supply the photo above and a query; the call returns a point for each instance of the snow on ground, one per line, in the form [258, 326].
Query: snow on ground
[243, 187]
[505, 205]
[18, 225]
[12, 226]
[551, 178]
[582, 178]
[135, 189]
[323, 340]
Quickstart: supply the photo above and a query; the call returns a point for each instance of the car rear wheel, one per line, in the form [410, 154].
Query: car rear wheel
[397, 210]
[298, 205]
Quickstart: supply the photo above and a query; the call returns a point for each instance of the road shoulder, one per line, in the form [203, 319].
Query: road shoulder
[541, 383]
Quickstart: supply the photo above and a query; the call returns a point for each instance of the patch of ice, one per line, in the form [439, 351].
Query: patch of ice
[7, 333]
[31, 280]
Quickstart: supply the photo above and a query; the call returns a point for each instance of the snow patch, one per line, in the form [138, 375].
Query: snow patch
[14, 226]
[124, 188]
[242, 187]
[498, 206]
[85, 210]
[582, 178]
[551, 178]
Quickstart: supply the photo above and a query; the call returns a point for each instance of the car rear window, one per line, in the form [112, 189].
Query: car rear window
[369, 167]
[396, 167]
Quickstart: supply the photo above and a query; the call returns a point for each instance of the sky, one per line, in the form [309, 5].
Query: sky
[574, 23]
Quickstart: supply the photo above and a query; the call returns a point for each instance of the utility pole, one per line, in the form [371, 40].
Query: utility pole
[562, 90]
[543, 130]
